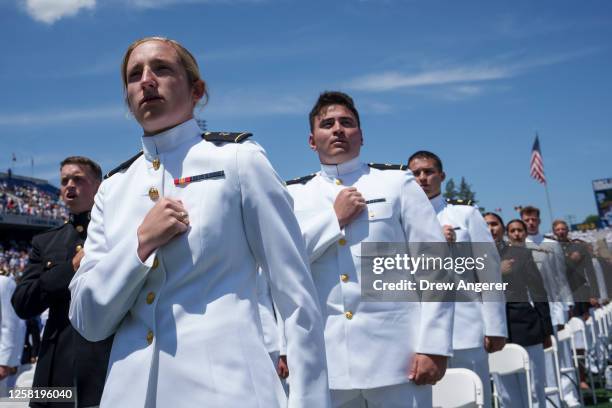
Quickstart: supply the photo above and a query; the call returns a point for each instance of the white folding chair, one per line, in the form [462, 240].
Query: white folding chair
[459, 387]
[571, 373]
[578, 328]
[602, 329]
[553, 353]
[596, 358]
[512, 359]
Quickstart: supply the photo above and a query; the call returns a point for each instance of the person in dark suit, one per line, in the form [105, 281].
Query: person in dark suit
[527, 311]
[65, 358]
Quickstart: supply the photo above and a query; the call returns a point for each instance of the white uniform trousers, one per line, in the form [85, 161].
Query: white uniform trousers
[477, 360]
[512, 388]
[407, 395]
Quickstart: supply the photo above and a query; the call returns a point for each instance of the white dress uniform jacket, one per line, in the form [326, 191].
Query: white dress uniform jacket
[186, 324]
[12, 328]
[550, 259]
[474, 320]
[369, 344]
[12, 333]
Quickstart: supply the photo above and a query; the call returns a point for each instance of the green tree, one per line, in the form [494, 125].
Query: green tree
[591, 219]
[449, 190]
[465, 191]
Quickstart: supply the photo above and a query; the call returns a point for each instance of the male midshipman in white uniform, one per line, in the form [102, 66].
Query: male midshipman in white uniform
[171, 259]
[12, 336]
[479, 327]
[384, 353]
[550, 259]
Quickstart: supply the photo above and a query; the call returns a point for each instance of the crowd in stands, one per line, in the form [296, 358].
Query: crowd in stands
[592, 236]
[30, 200]
[13, 258]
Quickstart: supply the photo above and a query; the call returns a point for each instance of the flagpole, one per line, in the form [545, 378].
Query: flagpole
[537, 172]
[550, 212]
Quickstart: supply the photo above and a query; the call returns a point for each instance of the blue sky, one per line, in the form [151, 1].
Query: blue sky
[472, 81]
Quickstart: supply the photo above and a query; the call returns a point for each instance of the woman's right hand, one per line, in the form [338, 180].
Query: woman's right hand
[167, 219]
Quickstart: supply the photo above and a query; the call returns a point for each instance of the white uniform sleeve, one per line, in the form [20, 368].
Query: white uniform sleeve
[493, 310]
[276, 241]
[561, 273]
[420, 224]
[12, 328]
[267, 313]
[601, 282]
[108, 281]
[320, 230]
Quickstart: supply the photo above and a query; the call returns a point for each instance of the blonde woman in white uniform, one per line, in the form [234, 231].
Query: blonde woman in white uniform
[171, 258]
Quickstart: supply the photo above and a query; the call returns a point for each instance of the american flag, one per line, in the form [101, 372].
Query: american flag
[537, 164]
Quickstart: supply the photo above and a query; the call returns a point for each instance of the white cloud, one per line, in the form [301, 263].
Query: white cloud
[150, 4]
[248, 103]
[252, 103]
[461, 92]
[49, 11]
[388, 81]
[496, 68]
[73, 115]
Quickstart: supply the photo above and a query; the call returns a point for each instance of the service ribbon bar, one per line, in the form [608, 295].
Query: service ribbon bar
[190, 179]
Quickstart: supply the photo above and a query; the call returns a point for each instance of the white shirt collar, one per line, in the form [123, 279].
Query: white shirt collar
[438, 203]
[169, 139]
[337, 170]
[537, 238]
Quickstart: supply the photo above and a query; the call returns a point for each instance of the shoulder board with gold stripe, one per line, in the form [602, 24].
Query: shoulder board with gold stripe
[228, 137]
[387, 166]
[460, 202]
[301, 180]
[124, 165]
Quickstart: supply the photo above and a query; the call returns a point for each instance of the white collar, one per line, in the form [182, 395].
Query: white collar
[438, 203]
[537, 238]
[169, 139]
[337, 170]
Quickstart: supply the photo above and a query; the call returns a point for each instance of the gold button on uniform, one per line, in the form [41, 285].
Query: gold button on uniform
[78, 248]
[342, 242]
[156, 164]
[348, 315]
[344, 277]
[49, 263]
[338, 182]
[155, 263]
[80, 228]
[150, 337]
[153, 194]
[150, 297]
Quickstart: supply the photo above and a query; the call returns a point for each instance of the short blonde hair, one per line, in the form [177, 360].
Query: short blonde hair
[187, 60]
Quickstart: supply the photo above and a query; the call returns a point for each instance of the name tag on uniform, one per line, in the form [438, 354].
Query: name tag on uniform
[186, 180]
[376, 200]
